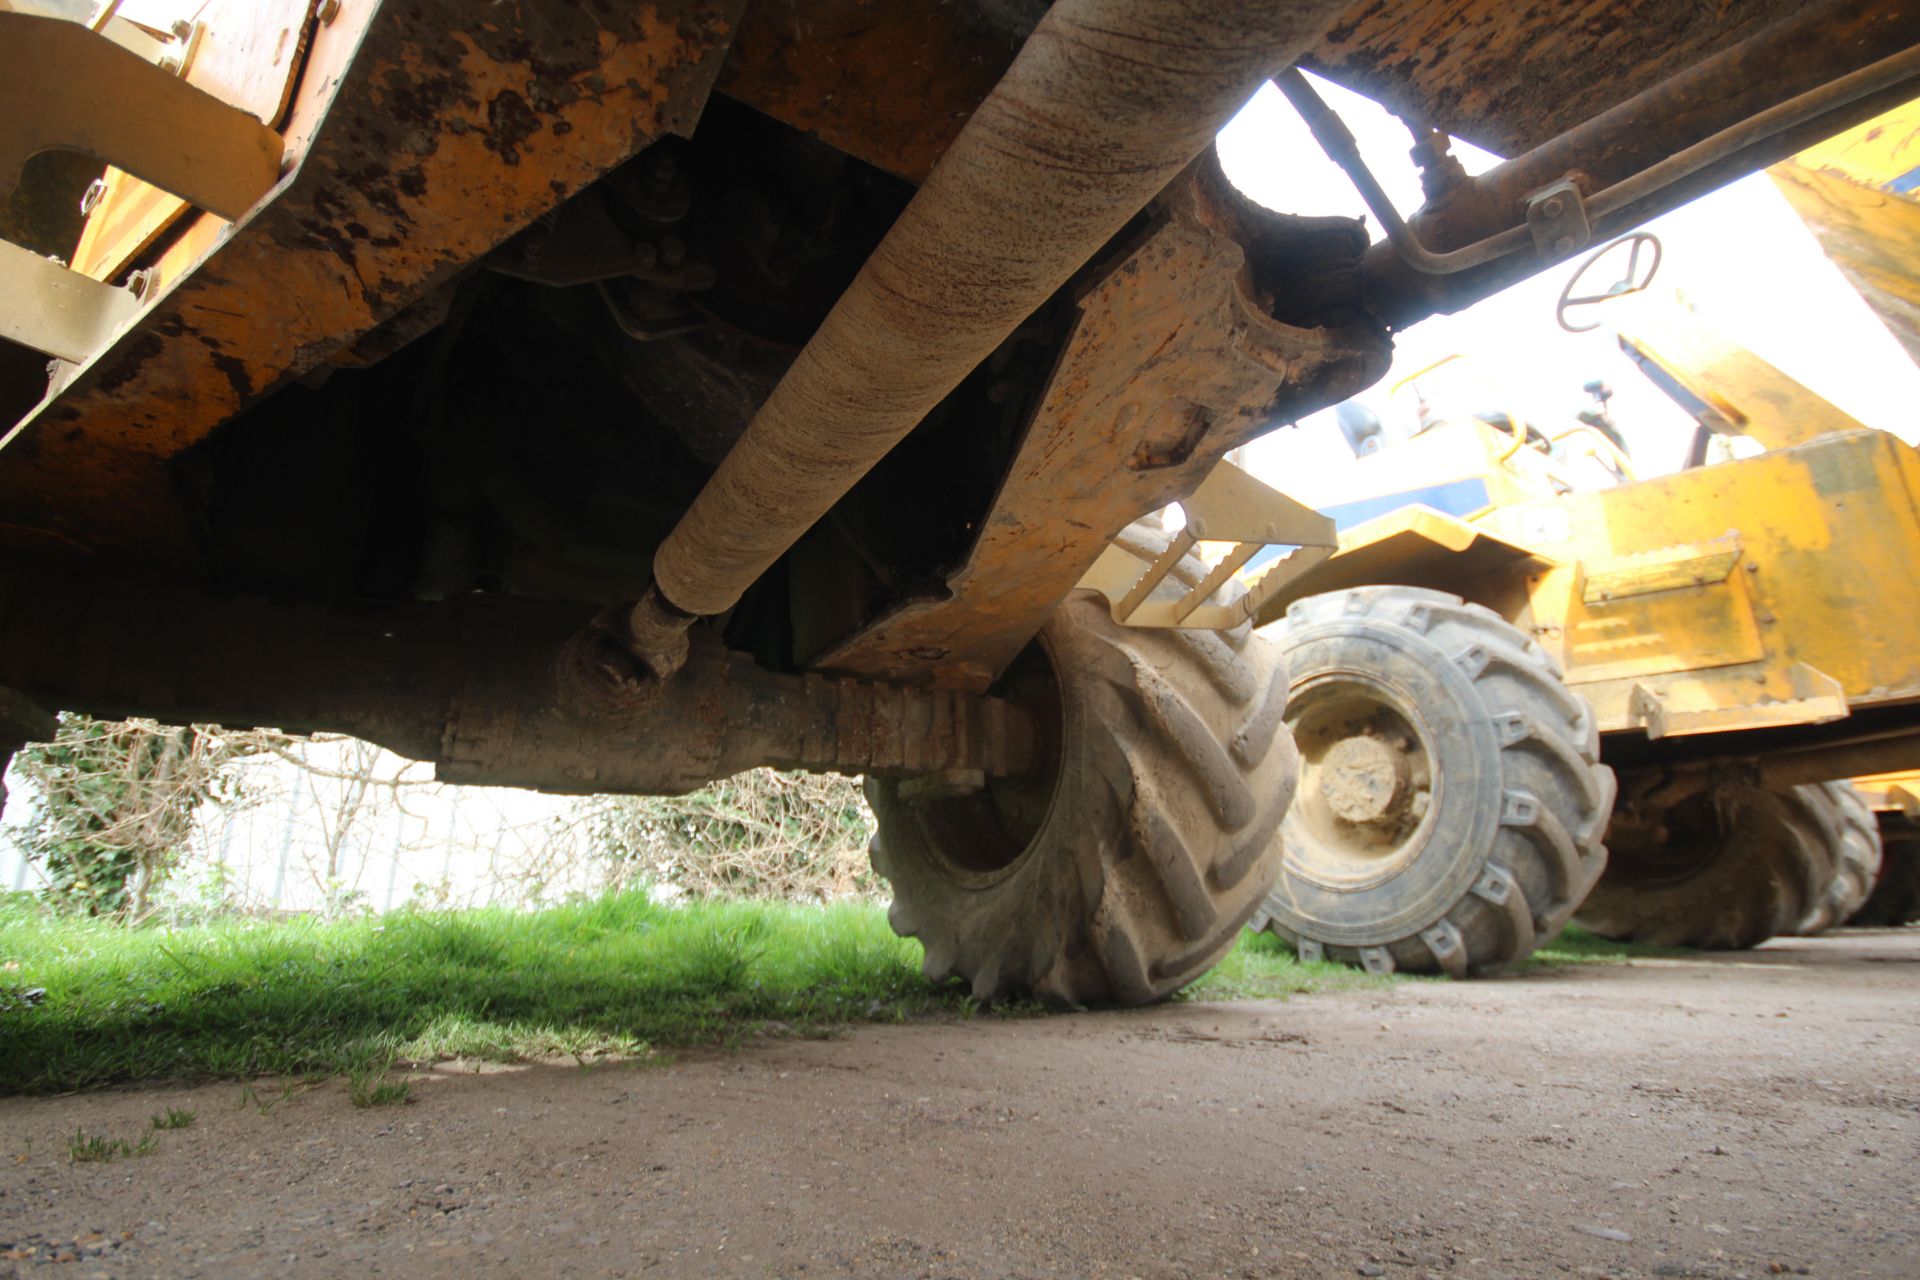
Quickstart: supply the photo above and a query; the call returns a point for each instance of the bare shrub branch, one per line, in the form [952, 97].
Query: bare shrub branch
[796, 836]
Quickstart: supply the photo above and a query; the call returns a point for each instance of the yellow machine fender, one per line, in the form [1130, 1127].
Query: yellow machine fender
[1417, 546]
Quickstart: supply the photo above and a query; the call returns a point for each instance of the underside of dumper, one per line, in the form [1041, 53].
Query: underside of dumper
[416, 369]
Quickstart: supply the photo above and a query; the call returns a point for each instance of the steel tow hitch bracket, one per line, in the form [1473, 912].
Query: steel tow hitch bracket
[57, 312]
[1229, 506]
[69, 88]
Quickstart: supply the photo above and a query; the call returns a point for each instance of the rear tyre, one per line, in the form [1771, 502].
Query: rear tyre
[1895, 899]
[1452, 801]
[1720, 867]
[1127, 868]
[1848, 826]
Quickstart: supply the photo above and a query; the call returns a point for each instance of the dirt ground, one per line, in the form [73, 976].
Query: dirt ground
[1736, 1115]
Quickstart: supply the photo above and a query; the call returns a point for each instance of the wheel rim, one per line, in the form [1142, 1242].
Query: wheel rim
[978, 840]
[1668, 846]
[1368, 787]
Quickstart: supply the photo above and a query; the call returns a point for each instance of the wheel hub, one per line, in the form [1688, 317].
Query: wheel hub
[1365, 780]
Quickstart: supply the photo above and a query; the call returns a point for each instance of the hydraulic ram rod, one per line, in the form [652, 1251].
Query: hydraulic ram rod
[1107, 101]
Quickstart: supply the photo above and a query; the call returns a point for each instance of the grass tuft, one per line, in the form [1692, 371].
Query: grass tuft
[368, 1086]
[91, 1148]
[173, 1118]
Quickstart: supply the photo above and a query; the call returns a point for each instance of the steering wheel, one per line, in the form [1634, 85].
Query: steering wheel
[1630, 281]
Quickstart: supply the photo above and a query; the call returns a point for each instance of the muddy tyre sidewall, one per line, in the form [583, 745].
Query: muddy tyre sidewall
[1895, 898]
[1848, 826]
[1158, 838]
[1466, 808]
[1727, 867]
[1510, 840]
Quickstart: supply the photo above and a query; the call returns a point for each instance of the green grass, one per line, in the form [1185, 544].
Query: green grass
[91, 1148]
[616, 978]
[172, 1118]
[368, 1086]
[1262, 967]
[1575, 945]
[291, 1089]
[619, 976]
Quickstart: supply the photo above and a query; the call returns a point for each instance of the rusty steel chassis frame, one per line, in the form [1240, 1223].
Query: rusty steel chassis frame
[1116, 433]
[473, 687]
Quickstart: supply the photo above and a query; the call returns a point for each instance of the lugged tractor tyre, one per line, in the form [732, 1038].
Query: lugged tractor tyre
[1848, 826]
[1895, 899]
[1129, 868]
[1722, 867]
[1452, 801]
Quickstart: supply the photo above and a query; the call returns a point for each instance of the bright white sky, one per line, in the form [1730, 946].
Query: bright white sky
[1740, 254]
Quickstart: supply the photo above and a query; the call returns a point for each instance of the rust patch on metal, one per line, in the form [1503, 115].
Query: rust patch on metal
[510, 122]
[471, 686]
[410, 168]
[893, 84]
[889, 83]
[1507, 77]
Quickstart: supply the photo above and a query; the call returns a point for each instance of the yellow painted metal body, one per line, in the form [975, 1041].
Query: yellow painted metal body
[1775, 590]
[1749, 396]
[1858, 192]
[244, 52]
[1772, 591]
[1892, 792]
[1756, 594]
[391, 170]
